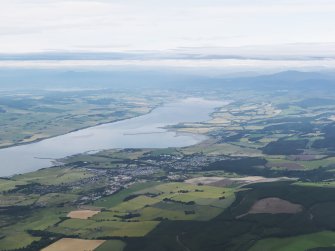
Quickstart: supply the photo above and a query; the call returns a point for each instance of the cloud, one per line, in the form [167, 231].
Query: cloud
[39, 25]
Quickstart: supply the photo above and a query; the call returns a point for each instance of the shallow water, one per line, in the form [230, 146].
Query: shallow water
[141, 132]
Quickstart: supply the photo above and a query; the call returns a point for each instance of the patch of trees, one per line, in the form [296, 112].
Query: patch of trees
[160, 219]
[251, 166]
[133, 196]
[231, 165]
[312, 102]
[301, 127]
[233, 138]
[285, 119]
[36, 188]
[24, 104]
[16, 211]
[78, 164]
[213, 235]
[179, 202]
[188, 212]
[46, 239]
[128, 216]
[45, 234]
[102, 101]
[322, 249]
[183, 191]
[35, 245]
[26, 189]
[130, 197]
[285, 147]
[99, 190]
[329, 138]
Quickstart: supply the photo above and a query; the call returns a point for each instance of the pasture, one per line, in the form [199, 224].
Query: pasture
[111, 245]
[296, 243]
[175, 201]
[97, 229]
[54, 176]
[136, 211]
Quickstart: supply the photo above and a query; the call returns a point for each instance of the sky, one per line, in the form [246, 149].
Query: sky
[173, 25]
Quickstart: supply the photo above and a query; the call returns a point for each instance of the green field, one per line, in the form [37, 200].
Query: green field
[227, 232]
[90, 229]
[6, 184]
[54, 176]
[308, 165]
[297, 243]
[117, 198]
[10, 241]
[330, 184]
[111, 245]
[173, 201]
[150, 204]
[38, 220]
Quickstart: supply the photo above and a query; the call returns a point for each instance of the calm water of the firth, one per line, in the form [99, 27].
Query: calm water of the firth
[141, 132]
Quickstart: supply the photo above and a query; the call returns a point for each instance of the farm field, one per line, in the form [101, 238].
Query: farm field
[53, 176]
[67, 244]
[116, 199]
[111, 245]
[299, 243]
[82, 214]
[274, 206]
[10, 241]
[299, 165]
[38, 220]
[297, 225]
[142, 210]
[99, 229]
[263, 178]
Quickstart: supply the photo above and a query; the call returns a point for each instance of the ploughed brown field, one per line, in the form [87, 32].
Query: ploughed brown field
[226, 182]
[68, 244]
[274, 206]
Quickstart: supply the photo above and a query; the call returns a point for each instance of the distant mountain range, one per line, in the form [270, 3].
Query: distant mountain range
[279, 52]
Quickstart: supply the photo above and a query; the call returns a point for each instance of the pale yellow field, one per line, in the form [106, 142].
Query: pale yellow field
[68, 244]
[82, 214]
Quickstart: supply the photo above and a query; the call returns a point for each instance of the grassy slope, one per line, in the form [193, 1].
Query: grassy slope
[297, 243]
[111, 245]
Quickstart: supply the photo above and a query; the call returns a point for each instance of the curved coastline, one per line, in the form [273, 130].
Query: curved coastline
[143, 131]
[78, 129]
